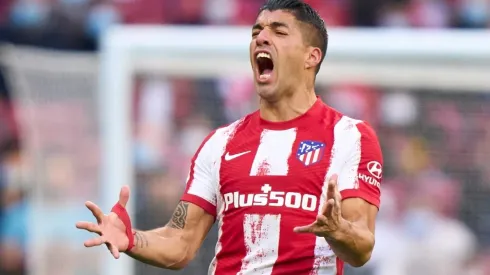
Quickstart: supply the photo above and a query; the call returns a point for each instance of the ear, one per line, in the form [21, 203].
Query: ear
[313, 58]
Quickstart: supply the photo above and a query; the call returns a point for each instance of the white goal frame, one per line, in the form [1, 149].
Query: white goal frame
[448, 60]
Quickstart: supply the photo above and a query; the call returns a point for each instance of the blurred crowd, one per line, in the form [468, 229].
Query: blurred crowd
[77, 24]
[435, 214]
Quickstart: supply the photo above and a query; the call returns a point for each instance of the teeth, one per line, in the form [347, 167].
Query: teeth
[263, 55]
[264, 76]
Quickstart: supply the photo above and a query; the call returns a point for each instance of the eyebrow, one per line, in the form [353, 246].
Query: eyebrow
[274, 25]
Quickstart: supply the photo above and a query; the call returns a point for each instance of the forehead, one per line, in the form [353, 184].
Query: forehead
[267, 17]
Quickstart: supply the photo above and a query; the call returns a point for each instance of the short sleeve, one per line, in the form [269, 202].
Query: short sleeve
[365, 163]
[201, 182]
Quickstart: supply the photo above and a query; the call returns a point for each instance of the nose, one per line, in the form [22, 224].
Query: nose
[263, 38]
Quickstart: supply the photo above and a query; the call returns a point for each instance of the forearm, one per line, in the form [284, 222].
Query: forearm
[159, 249]
[175, 244]
[352, 244]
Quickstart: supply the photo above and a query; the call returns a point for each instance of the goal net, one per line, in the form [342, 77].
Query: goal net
[136, 113]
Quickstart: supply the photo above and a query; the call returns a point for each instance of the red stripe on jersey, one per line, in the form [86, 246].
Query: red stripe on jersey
[229, 258]
[296, 253]
[204, 204]
[340, 267]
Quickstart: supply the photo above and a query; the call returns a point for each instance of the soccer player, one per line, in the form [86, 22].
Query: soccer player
[294, 186]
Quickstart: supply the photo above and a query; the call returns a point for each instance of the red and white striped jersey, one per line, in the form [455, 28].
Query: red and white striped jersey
[261, 179]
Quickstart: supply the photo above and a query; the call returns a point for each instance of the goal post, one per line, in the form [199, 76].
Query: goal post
[411, 58]
[446, 60]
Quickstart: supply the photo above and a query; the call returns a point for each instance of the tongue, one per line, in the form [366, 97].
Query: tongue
[267, 72]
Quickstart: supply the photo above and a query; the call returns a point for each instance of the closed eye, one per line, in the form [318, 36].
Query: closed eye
[256, 29]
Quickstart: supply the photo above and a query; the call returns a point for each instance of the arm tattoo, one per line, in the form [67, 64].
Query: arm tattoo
[179, 216]
[140, 240]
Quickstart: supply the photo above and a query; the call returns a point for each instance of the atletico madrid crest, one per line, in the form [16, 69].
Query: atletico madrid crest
[310, 152]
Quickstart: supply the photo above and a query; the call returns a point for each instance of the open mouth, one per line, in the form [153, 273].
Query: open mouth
[265, 66]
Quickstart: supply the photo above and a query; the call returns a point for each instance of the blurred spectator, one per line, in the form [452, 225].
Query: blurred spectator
[13, 218]
[472, 14]
[186, 12]
[100, 17]
[142, 11]
[430, 13]
[5, 6]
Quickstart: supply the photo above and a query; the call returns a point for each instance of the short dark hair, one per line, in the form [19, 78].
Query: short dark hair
[305, 14]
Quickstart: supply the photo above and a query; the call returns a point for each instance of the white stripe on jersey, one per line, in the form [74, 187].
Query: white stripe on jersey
[346, 135]
[317, 153]
[308, 158]
[207, 164]
[261, 236]
[211, 153]
[273, 153]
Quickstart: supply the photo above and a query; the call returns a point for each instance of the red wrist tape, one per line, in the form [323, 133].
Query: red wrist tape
[124, 216]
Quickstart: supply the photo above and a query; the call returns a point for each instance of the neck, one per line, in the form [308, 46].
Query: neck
[288, 107]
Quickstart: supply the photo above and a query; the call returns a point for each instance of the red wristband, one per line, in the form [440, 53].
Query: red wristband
[123, 215]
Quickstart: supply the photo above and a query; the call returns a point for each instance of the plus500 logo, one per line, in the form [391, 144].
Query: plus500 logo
[271, 198]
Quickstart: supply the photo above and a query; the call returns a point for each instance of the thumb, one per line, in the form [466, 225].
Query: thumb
[124, 196]
[304, 229]
[332, 186]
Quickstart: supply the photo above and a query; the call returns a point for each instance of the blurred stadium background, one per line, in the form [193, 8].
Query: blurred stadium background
[91, 100]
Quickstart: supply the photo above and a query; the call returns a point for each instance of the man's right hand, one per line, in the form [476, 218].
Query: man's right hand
[110, 228]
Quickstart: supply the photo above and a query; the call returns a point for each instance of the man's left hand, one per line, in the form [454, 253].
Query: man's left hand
[330, 218]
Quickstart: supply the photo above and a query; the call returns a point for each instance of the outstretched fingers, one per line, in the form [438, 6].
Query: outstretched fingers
[101, 217]
[113, 249]
[94, 242]
[90, 227]
[305, 229]
[96, 211]
[332, 189]
[332, 205]
[124, 196]
[328, 210]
